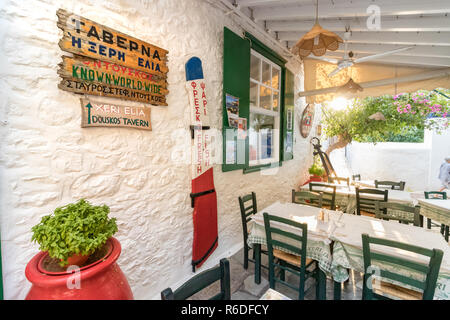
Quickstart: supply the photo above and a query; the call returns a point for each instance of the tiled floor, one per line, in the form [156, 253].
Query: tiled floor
[243, 286]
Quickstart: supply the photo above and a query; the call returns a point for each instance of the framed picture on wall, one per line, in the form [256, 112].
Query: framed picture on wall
[307, 120]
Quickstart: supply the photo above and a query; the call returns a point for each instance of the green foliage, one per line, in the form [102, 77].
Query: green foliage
[78, 228]
[317, 168]
[406, 115]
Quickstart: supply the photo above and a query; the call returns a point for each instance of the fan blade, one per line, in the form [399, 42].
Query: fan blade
[379, 55]
[340, 67]
[330, 60]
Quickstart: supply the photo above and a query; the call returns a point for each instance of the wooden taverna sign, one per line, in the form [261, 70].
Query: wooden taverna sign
[100, 114]
[109, 63]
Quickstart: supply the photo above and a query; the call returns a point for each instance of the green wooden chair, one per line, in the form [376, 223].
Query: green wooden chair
[307, 197]
[385, 290]
[366, 205]
[296, 263]
[390, 185]
[437, 195]
[382, 211]
[328, 197]
[338, 180]
[201, 281]
[356, 177]
[248, 208]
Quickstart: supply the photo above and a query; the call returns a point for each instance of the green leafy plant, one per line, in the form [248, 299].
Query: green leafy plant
[317, 168]
[402, 115]
[77, 228]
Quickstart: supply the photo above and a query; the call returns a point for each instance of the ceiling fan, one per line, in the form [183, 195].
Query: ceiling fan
[348, 60]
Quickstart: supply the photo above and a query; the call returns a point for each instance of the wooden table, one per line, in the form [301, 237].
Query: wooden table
[319, 246]
[437, 210]
[347, 251]
[346, 196]
[337, 246]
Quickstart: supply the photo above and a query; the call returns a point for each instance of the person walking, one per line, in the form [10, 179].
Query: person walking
[444, 174]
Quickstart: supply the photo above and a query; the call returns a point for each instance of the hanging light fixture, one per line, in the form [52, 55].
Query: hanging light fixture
[318, 40]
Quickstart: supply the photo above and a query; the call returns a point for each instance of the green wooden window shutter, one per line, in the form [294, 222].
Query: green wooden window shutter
[236, 82]
[288, 117]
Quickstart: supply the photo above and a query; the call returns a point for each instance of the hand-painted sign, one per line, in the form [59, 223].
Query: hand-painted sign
[109, 63]
[100, 114]
[203, 196]
[88, 38]
[84, 75]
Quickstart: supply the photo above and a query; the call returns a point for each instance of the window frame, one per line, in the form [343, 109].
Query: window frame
[274, 60]
[266, 112]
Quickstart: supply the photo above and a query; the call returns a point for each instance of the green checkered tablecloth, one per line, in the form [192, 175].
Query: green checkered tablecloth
[347, 243]
[350, 257]
[436, 209]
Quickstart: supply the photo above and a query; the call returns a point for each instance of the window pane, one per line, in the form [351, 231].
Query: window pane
[253, 94]
[266, 73]
[265, 98]
[255, 70]
[261, 136]
[275, 102]
[275, 78]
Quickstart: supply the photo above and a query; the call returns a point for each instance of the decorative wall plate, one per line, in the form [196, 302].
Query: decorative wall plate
[307, 120]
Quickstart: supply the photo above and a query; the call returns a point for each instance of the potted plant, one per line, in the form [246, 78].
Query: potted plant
[77, 235]
[316, 171]
[73, 232]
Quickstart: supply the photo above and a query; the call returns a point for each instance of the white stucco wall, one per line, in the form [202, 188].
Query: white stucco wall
[47, 160]
[415, 163]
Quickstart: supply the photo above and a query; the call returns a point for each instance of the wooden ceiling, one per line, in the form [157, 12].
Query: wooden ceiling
[423, 24]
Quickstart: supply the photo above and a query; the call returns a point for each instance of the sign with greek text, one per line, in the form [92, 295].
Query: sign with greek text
[87, 76]
[109, 63]
[101, 114]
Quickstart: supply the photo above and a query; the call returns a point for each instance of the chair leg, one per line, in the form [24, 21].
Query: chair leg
[428, 223]
[446, 233]
[257, 249]
[421, 221]
[282, 272]
[246, 249]
[321, 288]
[442, 229]
[337, 290]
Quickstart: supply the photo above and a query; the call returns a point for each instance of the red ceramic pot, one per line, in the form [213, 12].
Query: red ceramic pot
[101, 280]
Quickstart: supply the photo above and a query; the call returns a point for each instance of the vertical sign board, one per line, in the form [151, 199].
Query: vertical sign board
[203, 195]
[109, 63]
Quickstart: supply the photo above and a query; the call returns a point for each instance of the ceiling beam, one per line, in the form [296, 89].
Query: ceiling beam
[410, 24]
[403, 38]
[401, 60]
[348, 8]
[265, 3]
[383, 82]
[370, 48]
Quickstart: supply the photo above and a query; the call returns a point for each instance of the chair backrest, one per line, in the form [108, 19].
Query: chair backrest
[248, 208]
[328, 197]
[383, 211]
[435, 195]
[297, 242]
[368, 203]
[307, 197]
[429, 272]
[356, 177]
[338, 180]
[390, 185]
[201, 281]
